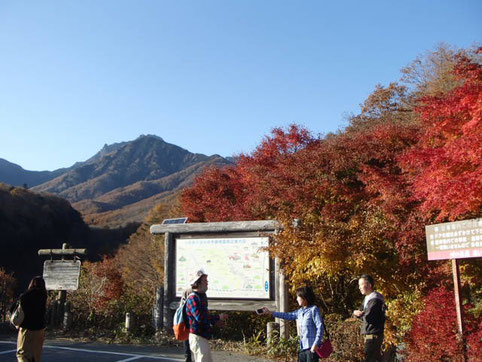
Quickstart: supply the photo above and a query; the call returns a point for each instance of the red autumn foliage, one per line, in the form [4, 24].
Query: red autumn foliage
[217, 195]
[106, 283]
[358, 193]
[332, 184]
[337, 179]
[247, 190]
[434, 331]
[447, 161]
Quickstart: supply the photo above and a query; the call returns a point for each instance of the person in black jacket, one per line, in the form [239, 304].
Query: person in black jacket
[372, 312]
[31, 333]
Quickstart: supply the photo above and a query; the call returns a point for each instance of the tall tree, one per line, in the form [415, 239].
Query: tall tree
[447, 160]
[141, 259]
[432, 73]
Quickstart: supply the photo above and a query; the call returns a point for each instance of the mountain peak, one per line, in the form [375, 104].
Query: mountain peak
[150, 136]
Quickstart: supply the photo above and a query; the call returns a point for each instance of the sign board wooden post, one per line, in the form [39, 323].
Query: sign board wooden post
[458, 302]
[61, 275]
[241, 274]
[455, 240]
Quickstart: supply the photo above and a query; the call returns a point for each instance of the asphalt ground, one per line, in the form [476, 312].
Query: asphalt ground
[68, 351]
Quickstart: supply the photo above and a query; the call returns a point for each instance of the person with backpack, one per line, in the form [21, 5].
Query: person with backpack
[187, 349]
[200, 321]
[309, 322]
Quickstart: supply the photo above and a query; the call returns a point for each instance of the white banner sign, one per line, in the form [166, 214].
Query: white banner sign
[454, 240]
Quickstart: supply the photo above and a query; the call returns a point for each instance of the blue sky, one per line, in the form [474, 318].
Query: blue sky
[209, 76]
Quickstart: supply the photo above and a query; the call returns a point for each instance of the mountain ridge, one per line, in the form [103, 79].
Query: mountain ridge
[125, 179]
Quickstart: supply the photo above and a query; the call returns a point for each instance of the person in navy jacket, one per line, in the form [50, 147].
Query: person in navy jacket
[372, 312]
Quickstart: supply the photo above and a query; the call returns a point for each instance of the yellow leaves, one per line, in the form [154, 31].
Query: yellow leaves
[401, 311]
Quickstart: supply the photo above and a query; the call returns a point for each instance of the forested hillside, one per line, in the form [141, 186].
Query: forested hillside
[31, 221]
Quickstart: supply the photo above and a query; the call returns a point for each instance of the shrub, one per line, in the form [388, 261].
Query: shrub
[7, 287]
[345, 337]
[99, 298]
[433, 336]
[241, 325]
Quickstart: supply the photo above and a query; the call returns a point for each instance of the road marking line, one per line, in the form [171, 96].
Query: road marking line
[137, 356]
[129, 359]
[5, 352]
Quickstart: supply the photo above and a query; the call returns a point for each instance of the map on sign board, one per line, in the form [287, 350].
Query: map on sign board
[454, 240]
[237, 267]
[61, 274]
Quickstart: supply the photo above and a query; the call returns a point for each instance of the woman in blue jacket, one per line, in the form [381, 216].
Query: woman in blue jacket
[309, 322]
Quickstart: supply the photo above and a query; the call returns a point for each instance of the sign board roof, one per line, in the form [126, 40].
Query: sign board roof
[454, 240]
[61, 274]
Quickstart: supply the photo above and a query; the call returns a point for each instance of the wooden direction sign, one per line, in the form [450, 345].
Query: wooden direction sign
[61, 274]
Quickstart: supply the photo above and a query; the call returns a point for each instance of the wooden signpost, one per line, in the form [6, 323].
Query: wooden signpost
[455, 240]
[61, 275]
[242, 276]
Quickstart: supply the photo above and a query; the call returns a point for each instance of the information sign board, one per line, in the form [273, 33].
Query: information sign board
[454, 240]
[61, 274]
[238, 267]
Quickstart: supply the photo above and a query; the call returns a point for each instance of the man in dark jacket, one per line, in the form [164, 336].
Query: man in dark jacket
[372, 312]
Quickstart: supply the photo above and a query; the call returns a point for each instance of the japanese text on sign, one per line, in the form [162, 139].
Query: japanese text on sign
[454, 240]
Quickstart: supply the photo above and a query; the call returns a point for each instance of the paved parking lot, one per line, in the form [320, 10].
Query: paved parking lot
[66, 351]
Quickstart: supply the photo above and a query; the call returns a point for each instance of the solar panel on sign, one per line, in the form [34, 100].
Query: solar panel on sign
[181, 220]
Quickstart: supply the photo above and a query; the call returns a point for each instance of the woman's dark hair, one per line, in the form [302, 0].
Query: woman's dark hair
[37, 283]
[307, 294]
